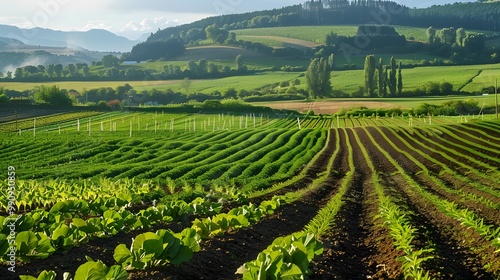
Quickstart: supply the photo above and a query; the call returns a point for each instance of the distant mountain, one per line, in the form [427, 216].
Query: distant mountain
[94, 40]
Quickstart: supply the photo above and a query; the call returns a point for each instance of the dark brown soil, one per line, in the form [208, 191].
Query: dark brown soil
[358, 246]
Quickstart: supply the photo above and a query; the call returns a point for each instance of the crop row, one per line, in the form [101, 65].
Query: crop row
[426, 190]
[44, 121]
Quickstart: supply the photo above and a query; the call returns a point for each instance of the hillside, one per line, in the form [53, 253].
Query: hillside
[94, 40]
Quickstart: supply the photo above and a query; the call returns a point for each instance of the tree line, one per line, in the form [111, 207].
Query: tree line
[382, 80]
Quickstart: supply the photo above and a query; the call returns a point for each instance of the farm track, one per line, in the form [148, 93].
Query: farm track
[454, 245]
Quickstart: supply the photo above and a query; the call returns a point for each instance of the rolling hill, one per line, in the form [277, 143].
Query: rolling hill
[93, 40]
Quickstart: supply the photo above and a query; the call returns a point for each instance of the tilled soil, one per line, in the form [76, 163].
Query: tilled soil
[358, 246]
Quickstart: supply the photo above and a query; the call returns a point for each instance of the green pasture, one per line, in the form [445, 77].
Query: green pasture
[317, 34]
[485, 79]
[347, 81]
[413, 78]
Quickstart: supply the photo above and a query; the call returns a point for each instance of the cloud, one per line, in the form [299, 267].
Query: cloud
[149, 24]
[96, 25]
[212, 7]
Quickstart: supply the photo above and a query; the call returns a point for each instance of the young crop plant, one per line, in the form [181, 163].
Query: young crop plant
[286, 258]
[468, 218]
[91, 270]
[320, 224]
[156, 249]
[399, 225]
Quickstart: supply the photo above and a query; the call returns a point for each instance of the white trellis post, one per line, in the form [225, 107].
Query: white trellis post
[34, 127]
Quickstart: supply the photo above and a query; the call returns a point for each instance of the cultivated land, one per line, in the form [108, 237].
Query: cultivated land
[384, 199]
[317, 34]
[469, 78]
[332, 106]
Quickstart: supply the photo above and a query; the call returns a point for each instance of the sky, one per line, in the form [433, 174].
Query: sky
[132, 18]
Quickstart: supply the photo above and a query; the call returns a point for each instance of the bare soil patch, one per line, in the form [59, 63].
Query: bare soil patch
[326, 107]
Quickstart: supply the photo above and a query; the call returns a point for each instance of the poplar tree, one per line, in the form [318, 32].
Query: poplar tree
[392, 77]
[318, 78]
[400, 80]
[369, 76]
[381, 83]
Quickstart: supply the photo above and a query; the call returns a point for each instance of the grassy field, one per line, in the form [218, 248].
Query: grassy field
[347, 81]
[205, 86]
[317, 34]
[350, 81]
[278, 41]
[332, 106]
[485, 79]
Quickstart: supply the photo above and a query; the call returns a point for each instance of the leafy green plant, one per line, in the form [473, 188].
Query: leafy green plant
[286, 258]
[31, 245]
[156, 249]
[91, 270]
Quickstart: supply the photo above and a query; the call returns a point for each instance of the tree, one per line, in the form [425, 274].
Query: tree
[112, 72]
[474, 43]
[400, 79]
[203, 67]
[318, 78]
[392, 77]
[3, 97]
[331, 39]
[86, 71]
[447, 36]
[19, 73]
[369, 76]
[331, 61]
[50, 70]
[431, 35]
[110, 61]
[58, 69]
[211, 32]
[186, 83]
[230, 93]
[71, 70]
[381, 82]
[461, 35]
[240, 67]
[53, 96]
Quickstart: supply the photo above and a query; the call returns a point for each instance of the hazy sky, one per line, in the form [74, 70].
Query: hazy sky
[132, 18]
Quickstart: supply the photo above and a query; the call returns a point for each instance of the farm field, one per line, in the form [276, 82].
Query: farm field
[209, 195]
[467, 78]
[208, 85]
[317, 34]
[332, 106]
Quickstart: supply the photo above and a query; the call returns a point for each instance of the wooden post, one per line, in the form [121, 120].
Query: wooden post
[496, 97]
[15, 112]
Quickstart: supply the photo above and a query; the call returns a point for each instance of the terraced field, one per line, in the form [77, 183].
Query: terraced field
[371, 198]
